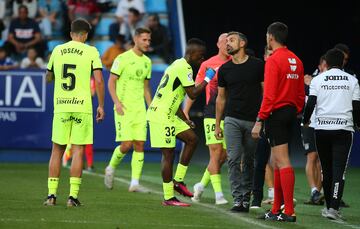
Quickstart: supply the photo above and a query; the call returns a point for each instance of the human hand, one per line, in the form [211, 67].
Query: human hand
[307, 79]
[100, 114]
[255, 132]
[120, 108]
[218, 133]
[190, 123]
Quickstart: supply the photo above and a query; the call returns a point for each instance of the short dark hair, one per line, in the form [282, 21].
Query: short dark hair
[23, 7]
[334, 58]
[155, 16]
[135, 11]
[141, 30]
[279, 31]
[343, 47]
[194, 43]
[240, 35]
[80, 25]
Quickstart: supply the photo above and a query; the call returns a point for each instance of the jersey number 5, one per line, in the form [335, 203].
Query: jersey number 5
[66, 74]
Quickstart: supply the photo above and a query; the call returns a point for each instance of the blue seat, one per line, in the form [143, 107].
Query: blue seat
[102, 28]
[2, 42]
[52, 44]
[155, 6]
[102, 46]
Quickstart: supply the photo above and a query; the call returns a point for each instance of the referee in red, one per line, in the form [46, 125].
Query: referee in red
[283, 99]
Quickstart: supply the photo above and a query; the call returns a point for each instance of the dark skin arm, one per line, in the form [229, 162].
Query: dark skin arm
[195, 91]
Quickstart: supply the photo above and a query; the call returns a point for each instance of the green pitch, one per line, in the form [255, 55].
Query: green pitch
[23, 188]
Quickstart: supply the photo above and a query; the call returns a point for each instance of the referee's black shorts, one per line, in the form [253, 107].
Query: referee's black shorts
[279, 125]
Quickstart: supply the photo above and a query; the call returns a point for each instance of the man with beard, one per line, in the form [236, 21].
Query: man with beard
[240, 88]
[167, 120]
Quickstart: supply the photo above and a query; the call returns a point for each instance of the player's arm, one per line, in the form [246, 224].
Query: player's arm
[119, 107]
[50, 68]
[181, 115]
[194, 91]
[220, 107]
[49, 76]
[100, 92]
[147, 92]
[188, 104]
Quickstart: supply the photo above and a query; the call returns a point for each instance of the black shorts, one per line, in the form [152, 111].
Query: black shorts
[279, 125]
[308, 139]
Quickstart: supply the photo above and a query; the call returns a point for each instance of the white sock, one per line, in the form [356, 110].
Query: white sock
[134, 182]
[218, 195]
[271, 193]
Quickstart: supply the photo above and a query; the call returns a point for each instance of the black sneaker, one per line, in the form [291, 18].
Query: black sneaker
[286, 218]
[72, 202]
[255, 204]
[315, 199]
[50, 200]
[343, 204]
[240, 207]
[269, 216]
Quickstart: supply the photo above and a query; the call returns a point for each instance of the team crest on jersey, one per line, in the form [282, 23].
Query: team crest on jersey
[139, 72]
[168, 140]
[146, 65]
[292, 60]
[116, 64]
[190, 77]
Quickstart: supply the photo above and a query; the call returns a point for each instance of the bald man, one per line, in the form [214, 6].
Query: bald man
[217, 148]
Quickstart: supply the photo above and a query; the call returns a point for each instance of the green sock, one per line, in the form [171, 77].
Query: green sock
[205, 178]
[137, 162]
[168, 189]
[180, 172]
[216, 182]
[75, 183]
[116, 157]
[53, 183]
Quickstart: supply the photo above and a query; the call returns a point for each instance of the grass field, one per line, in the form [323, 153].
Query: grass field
[23, 188]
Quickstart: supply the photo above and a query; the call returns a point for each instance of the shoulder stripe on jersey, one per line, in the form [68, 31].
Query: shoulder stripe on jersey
[115, 74]
[50, 70]
[97, 69]
[189, 86]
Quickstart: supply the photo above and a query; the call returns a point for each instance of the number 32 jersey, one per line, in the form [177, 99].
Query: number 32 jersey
[72, 64]
[170, 92]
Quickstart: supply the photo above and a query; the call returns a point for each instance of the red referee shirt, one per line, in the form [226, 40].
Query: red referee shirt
[283, 82]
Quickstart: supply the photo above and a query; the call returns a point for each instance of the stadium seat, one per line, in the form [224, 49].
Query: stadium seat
[155, 6]
[102, 46]
[53, 43]
[102, 28]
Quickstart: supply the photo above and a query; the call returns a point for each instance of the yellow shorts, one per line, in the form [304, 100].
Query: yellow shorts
[130, 127]
[209, 128]
[72, 127]
[163, 135]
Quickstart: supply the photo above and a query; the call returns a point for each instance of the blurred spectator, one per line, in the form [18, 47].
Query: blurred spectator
[30, 4]
[49, 17]
[32, 60]
[6, 63]
[24, 33]
[122, 12]
[105, 5]
[112, 52]
[128, 27]
[346, 51]
[160, 42]
[86, 9]
[2, 15]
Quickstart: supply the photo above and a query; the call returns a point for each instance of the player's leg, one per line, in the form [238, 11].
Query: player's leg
[269, 180]
[81, 135]
[60, 138]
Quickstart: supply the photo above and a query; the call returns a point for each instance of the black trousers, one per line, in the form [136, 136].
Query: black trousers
[262, 155]
[334, 150]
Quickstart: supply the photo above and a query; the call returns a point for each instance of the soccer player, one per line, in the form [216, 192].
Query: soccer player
[336, 95]
[217, 148]
[70, 66]
[283, 100]
[168, 122]
[129, 84]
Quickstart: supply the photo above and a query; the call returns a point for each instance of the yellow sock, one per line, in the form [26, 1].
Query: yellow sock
[75, 183]
[53, 183]
[205, 178]
[180, 172]
[168, 189]
[137, 162]
[116, 157]
[216, 182]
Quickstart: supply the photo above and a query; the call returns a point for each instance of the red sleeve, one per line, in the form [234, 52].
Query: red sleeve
[270, 88]
[201, 74]
[301, 91]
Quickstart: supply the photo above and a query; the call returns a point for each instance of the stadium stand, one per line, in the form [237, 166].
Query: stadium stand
[102, 46]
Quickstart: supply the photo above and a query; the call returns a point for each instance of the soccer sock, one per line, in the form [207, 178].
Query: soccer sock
[180, 173]
[137, 162]
[89, 154]
[205, 178]
[216, 182]
[75, 183]
[168, 189]
[271, 193]
[116, 157]
[287, 183]
[313, 189]
[53, 183]
[278, 195]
